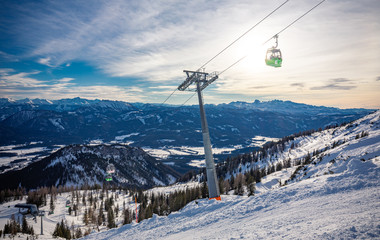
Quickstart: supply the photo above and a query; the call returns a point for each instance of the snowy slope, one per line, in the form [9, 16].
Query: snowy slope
[336, 196]
[318, 208]
[358, 140]
[60, 213]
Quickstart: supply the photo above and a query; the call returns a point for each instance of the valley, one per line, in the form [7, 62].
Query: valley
[32, 129]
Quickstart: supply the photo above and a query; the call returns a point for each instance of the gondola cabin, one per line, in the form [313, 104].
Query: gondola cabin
[109, 178]
[273, 57]
[110, 169]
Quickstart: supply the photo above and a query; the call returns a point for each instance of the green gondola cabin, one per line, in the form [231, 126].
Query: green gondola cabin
[108, 178]
[273, 57]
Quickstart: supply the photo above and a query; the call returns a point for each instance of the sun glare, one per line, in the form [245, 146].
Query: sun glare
[254, 53]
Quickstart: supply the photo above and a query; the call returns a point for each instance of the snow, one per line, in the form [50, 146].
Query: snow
[9, 147]
[172, 188]
[316, 208]
[23, 155]
[49, 221]
[197, 163]
[96, 142]
[56, 122]
[62, 160]
[158, 182]
[259, 141]
[165, 152]
[122, 137]
[273, 180]
[335, 197]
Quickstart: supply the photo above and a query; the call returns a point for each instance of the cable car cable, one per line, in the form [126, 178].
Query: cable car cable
[275, 35]
[233, 43]
[295, 21]
[168, 97]
[244, 34]
[232, 65]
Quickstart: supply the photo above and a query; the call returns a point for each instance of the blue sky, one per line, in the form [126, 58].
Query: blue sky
[136, 51]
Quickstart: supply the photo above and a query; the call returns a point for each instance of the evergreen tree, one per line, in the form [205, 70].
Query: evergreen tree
[78, 233]
[12, 227]
[85, 217]
[251, 189]
[52, 206]
[100, 215]
[127, 217]
[62, 230]
[25, 227]
[117, 210]
[232, 181]
[221, 185]
[226, 186]
[204, 190]
[110, 218]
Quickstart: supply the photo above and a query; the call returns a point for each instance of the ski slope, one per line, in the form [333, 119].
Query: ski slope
[326, 207]
[337, 196]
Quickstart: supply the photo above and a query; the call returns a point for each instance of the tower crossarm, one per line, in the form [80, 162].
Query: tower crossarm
[203, 78]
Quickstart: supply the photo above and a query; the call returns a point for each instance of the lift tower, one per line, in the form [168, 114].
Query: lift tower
[202, 80]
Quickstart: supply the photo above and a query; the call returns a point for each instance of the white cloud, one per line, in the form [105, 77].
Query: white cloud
[65, 80]
[18, 85]
[45, 61]
[10, 79]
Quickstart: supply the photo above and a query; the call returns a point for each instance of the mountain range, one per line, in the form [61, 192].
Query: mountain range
[77, 121]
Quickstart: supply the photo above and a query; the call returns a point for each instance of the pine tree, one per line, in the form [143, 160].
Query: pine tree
[127, 217]
[100, 215]
[85, 217]
[52, 207]
[251, 189]
[204, 190]
[117, 210]
[78, 233]
[221, 185]
[84, 199]
[75, 209]
[232, 182]
[25, 227]
[62, 230]
[111, 218]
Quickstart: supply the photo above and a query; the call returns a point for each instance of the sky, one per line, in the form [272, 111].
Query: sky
[136, 51]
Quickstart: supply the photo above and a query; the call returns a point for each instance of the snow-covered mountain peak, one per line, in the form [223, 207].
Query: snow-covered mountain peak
[333, 193]
[288, 107]
[86, 164]
[116, 105]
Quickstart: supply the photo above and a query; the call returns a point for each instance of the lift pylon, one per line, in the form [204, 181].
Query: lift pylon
[202, 80]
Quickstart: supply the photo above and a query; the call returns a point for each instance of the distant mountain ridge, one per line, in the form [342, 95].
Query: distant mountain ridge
[74, 103]
[78, 120]
[85, 164]
[62, 104]
[289, 107]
